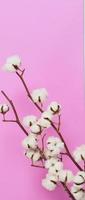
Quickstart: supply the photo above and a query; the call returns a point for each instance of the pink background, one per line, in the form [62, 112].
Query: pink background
[48, 35]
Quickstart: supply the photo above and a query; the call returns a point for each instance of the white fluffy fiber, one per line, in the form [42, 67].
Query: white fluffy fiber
[53, 165]
[79, 153]
[35, 128]
[79, 179]
[39, 95]
[65, 176]
[50, 182]
[54, 144]
[29, 120]
[13, 60]
[77, 193]
[30, 141]
[4, 108]
[33, 154]
[54, 107]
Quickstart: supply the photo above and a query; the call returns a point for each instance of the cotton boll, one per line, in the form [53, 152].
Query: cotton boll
[12, 64]
[48, 154]
[4, 108]
[56, 168]
[49, 182]
[29, 120]
[30, 142]
[50, 162]
[79, 179]
[46, 115]
[36, 129]
[65, 176]
[79, 153]
[45, 119]
[79, 194]
[39, 95]
[14, 60]
[55, 144]
[51, 153]
[44, 123]
[54, 107]
[9, 67]
[33, 154]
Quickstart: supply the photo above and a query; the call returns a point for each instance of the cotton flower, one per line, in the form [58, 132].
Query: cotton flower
[44, 123]
[29, 120]
[79, 194]
[53, 165]
[39, 95]
[34, 155]
[36, 129]
[79, 153]
[65, 176]
[30, 141]
[50, 162]
[4, 108]
[49, 154]
[12, 63]
[54, 107]
[50, 182]
[79, 179]
[45, 119]
[54, 144]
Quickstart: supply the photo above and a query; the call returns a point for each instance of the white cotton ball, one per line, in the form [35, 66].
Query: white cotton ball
[33, 154]
[9, 67]
[77, 193]
[36, 128]
[65, 176]
[49, 182]
[46, 115]
[50, 162]
[39, 95]
[45, 119]
[56, 168]
[48, 154]
[30, 142]
[54, 107]
[79, 179]
[44, 123]
[55, 144]
[79, 153]
[14, 60]
[29, 120]
[4, 108]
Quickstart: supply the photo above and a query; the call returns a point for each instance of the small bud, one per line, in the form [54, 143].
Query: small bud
[4, 108]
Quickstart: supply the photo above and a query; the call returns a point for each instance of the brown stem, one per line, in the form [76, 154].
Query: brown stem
[15, 113]
[59, 122]
[28, 92]
[43, 142]
[67, 150]
[54, 127]
[37, 166]
[68, 191]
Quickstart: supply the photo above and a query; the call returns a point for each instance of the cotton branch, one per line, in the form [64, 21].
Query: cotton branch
[54, 127]
[68, 191]
[17, 120]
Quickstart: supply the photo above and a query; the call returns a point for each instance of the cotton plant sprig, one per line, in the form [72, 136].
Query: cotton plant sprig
[52, 151]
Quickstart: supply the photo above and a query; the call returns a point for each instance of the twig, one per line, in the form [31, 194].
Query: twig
[37, 166]
[68, 191]
[15, 113]
[52, 124]
[43, 142]
[59, 122]
[28, 92]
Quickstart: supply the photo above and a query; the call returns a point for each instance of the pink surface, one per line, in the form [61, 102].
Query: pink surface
[48, 35]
